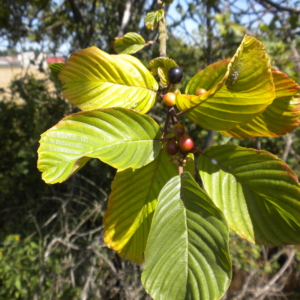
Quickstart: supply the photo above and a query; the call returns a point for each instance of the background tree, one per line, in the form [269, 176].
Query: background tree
[51, 242]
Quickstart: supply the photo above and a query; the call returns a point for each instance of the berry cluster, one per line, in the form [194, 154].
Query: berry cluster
[175, 75]
[180, 159]
[181, 144]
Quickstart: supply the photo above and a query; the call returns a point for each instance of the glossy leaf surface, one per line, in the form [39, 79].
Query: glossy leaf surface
[94, 79]
[237, 90]
[153, 18]
[130, 43]
[257, 192]
[132, 203]
[187, 250]
[119, 137]
[280, 117]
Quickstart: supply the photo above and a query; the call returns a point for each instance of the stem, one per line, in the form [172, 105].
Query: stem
[180, 170]
[181, 113]
[167, 139]
[166, 124]
[150, 43]
[173, 115]
[162, 37]
[164, 91]
[196, 150]
[185, 111]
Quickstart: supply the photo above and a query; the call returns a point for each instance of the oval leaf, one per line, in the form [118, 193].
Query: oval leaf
[130, 43]
[153, 18]
[117, 136]
[209, 79]
[187, 249]
[257, 192]
[132, 203]
[281, 117]
[94, 79]
[245, 90]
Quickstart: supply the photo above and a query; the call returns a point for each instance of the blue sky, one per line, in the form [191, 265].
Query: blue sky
[173, 15]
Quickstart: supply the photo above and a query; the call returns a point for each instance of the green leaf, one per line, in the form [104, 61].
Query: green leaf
[55, 70]
[132, 203]
[153, 18]
[160, 66]
[281, 117]
[237, 91]
[119, 137]
[187, 253]
[130, 43]
[18, 283]
[94, 79]
[238, 30]
[257, 192]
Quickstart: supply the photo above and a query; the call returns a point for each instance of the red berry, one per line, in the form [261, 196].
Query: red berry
[171, 147]
[178, 130]
[186, 143]
[200, 92]
[169, 99]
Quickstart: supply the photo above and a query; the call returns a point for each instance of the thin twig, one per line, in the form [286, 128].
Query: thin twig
[245, 286]
[288, 145]
[166, 124]
[173, 115]
[87, 283]
[288, 262]
[93, 184]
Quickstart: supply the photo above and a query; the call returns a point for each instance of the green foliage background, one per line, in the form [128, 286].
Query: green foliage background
[51, 243]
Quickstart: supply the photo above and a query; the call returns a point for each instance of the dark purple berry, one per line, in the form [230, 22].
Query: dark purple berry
[172, 147]
[175, 75]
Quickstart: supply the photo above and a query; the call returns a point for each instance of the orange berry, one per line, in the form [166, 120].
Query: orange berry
[169, 99]
[200, 92]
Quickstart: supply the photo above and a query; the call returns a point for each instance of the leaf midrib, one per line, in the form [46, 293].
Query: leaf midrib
[108, 82]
